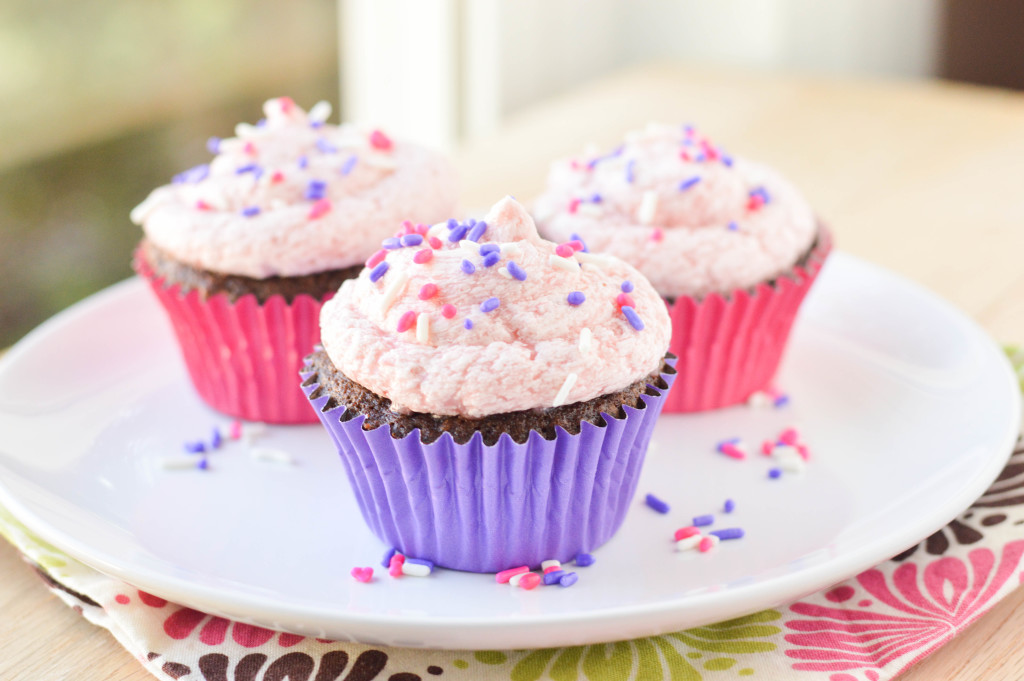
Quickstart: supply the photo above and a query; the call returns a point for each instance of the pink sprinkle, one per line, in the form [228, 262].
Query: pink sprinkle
[428, 291]
[684, 532]
[287, 104]
[789, 437]
[249, 148]
[574, 164]
[733, 452]
[434, 242]
[377, 258]
[624, 299]
[710, 152]
[766, 447]
[657, 234]
[423, 256]
[406, 321]
[683, 155]
[319, 209]
[755, 202]
[277, 177]
[575, 244]
[422, 229]
[505, 575]
[395, 566]
[706, 544]
[235, 430]
[529, 581]
[203, 205]
[365, 574]
[552, 568]
[407, 228]
[448, 311]
[805, 453]
[379, 140]
[573, 205]
[564, 250]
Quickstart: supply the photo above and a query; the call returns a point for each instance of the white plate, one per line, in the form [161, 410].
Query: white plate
[909, 408]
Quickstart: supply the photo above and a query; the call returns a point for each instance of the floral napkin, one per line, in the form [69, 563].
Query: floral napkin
[868, 628]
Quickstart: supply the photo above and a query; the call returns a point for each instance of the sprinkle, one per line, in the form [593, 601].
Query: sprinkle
[684, 532]
[657, 234]
[468, 267]
[395, 566]
[584, 560]
[213, 145]
[564, 264]
[458, 233]
[505, 575]
[412, 240]
[574, 205]
[774, 473]
[627, 286]
[362, 574]
[648, 207]
[428, 291]
[387, 557]
[492, 259]
[733, 226]
[586, 340]
[177, 463]
[477, 231]
[376, 258]
[349, 164]
[732, 451]
[274, 455]
[624, 299]
[703, 520]
[487, 249]
[423, 329]
[793, 465]
[728, 533]
[448, 311]
[192, 175]
[766, 447]
[564, 250]
[598, 259]
[452, 223]
[631, 171]
[576, 237]
[391, 243]
[195, 447]
[303, 162]
[707, 543]
[203, 205]
[656, 503]
[416, 567]
[551, 578]
[529, 581]
[727, 161]
[406, 321]
[247, 168]
[595, 198]
[576, 298]
[468, 324]
[516, 271]
[434, 242]
[515, 579]
[545, 564]
[319, 209]
[203, 464]
[251, 211]
[633, 318]
[379, 140]
[423, 256]
[377, 272]
[277, 177]
[249, 148]
[568, 579]
[729, 506]
[235, 430]
[789, 436]
[320, 112]
[563, 392]
[470, 246]
[689, 182]
[255, 430]
[490, 305]
[689, 543]
[315, 189]
[754, 202]
[217, 440]
[503, 271]
[781, 401]
[326, 147]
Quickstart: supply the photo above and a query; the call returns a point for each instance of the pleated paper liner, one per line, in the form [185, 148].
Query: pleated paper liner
[730, 346]
[242, 356]
[485, 508]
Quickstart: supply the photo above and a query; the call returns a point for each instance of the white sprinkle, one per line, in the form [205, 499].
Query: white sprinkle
[503, 271]
[792, 465]
[246, 130]
[759, 400]
[423, 328]
[271, 455]
[590, 267]
[567, 264]
[392, 291]
[511, 250]
[715, 541]
[320, 112]
[563, 392]
[688, 543]
[590, 210]
[550, 563]
[253, 431]
[179, 463]
[514, 580]
[436, 230]
[586, 340]
[648, 207]
[599, 259]
[785, 452]
[470, 245]
[415, 569]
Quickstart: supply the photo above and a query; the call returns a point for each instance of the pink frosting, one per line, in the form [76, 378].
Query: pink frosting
[690, 217]
[411, 344]
[294, 196]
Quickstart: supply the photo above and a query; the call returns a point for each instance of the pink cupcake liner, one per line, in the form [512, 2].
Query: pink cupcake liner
[730, 346]
[485, 508]
[242, 356]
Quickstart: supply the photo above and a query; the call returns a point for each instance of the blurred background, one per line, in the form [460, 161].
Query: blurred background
[102, 101]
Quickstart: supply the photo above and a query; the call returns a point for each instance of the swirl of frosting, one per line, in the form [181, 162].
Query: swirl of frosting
[482, 318]
[692, 218]
[293, 195]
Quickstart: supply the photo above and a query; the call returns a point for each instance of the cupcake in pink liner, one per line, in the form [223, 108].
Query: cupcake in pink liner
[243, 251]
[730, 245]
[492, 394]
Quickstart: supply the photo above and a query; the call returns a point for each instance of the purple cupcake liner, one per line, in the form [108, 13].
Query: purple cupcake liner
[485, 508]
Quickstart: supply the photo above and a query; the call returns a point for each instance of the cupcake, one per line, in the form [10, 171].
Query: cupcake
[243, 252]
[492, 394]
[729, 244]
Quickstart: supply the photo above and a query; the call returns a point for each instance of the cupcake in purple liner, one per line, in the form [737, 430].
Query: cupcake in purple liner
[492, 394]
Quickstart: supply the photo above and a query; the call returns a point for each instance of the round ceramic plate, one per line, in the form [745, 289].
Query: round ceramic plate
[909, 409]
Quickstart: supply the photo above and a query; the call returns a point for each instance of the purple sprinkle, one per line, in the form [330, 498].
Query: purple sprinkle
[729, 506]
[686, 184]
[471, 222]
[553, 577]
[595, 198]
[781, 401]
[700, 158]
[412, 240]
[315, 190]
[774, 473]
[325, 146]
[727, 161]
[303, 161]
[192, 175]
[251, 211]
[656, 503]
[452, 223]
[217, 440]
[762, 192]
[387, 557]
[468, 324]
[261, 122]
[316, 124]
[703, 520]
[627, 286]
[377, 272]
[490, 305]
[516, 271]
[576, 298]
[349, 164]
[477, 231]
[728, 533]
[733, 226]
[491, 259]
[420, 561]
[688, 128]
[468, 267]
[213, 145]
[195, 447]
[568, 579]
[585, 560]
[731, 441]
[632, 317]
[487, 249]
[203, 464]
[631, 171]
[458, 233]
[391, 243]
[576, 237]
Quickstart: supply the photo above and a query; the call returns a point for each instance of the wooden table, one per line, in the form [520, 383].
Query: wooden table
[926, 179]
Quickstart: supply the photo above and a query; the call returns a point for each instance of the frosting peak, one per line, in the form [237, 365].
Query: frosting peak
[486, 317]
